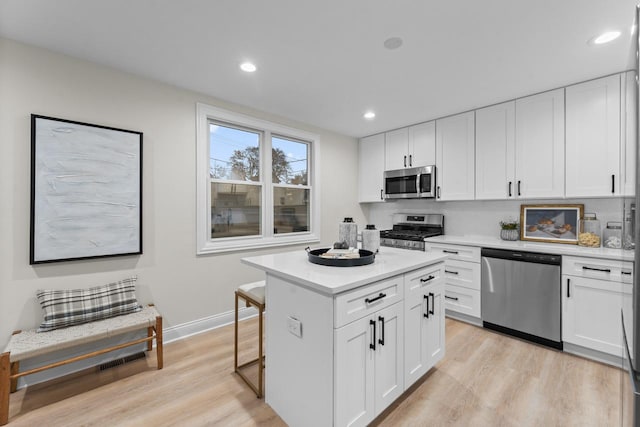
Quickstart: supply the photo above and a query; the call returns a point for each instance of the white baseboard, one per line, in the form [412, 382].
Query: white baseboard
[185, 330]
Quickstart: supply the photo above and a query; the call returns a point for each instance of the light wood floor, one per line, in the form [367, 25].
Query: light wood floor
[486, 379]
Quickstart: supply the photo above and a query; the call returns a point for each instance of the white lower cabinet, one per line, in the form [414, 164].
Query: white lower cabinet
[593, 296]
[424, 322]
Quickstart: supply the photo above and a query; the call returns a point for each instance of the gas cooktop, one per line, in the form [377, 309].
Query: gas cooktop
[410, 230]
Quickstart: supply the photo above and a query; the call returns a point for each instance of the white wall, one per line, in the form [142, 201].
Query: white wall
[183, 286]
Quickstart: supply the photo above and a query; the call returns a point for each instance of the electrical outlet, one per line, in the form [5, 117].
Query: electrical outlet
[294, 326]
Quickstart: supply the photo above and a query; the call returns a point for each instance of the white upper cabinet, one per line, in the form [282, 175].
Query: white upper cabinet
[371, 168]
[455, 157]
[412, 146]
[540, 145]
[593, 138]
[495, 152]
[628, 132]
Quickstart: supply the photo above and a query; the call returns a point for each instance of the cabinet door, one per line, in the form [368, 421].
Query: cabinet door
[434, 324]
[540, 145]
[628, 132]
[396, 149]
[495, 151]
[422, 144]
[389, 356]
[455, 157]
[371, 168]
[593, 138]
[354, 373]
[591, 313]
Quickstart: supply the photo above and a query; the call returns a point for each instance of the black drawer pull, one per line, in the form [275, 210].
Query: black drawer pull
[427, 279]
[626, 272]
[451, 272]
[604, 270]
[453, 298]
[370, 300]
[450, 252]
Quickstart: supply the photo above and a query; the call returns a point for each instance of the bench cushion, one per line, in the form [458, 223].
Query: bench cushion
[63, 308]
[30, 343]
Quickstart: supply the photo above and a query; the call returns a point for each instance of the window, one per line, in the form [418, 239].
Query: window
[256, 184]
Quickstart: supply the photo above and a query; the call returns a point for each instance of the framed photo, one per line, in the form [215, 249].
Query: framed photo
[550, 223]
[86, 191]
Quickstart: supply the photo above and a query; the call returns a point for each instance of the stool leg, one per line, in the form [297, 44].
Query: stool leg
[5, 385]
[159, 349]
[260, 364]
[15, 368]
[149, 335]
[235, 338]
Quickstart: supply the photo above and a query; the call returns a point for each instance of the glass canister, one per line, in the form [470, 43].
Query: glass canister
[589, 234]
[612, 235]
[371, 238]
[348, 232]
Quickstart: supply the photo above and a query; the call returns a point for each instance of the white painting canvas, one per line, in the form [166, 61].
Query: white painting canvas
[86, 191]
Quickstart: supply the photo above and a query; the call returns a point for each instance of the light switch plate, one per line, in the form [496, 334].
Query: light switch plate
[294, 326]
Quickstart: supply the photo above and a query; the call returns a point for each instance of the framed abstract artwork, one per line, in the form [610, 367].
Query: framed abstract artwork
[86, 191]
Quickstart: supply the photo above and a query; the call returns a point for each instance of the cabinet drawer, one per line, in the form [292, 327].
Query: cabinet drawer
[462, 300]
[461, 273]
[605, 269]
[363, 301]
[455, 252]
[416, 281]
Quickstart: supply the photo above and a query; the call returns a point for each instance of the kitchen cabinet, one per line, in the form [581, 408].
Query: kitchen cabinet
[371, 168]
[455, 157]
[628, 133]
[540, 145]
[369, 365]
[495, 152]
[424, 322]
[593, 138]
[461, 277]
[594, 292]
[411, 146]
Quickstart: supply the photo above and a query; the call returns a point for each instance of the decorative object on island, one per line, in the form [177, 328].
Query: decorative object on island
[589, 235]
[340, 257]
[86, 191]
[371, 238]
[550, 223]
[348, 232]
[509, 229]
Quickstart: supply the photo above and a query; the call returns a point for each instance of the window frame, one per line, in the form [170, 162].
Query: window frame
[204, 243]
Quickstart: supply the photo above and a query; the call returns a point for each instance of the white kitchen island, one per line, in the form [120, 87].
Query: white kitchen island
[342, 343]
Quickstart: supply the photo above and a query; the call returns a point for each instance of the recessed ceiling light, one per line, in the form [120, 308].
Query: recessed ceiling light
[605, 37]
[248, 67]
[369, 115]
[393, 43]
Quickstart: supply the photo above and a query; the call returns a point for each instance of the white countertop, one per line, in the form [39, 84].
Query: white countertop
[551, 248]
[296, 267]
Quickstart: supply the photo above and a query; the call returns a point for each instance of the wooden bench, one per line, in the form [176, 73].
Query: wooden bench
[27, 344]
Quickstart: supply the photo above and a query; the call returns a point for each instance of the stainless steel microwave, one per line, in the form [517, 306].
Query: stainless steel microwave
[410, 183]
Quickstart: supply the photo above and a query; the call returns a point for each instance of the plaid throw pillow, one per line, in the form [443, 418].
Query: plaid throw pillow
[64, 308]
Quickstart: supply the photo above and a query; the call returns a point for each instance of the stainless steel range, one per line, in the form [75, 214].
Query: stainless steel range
[410, 230]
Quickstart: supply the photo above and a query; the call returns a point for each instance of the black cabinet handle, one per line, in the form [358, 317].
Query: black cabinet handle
[370, 300]
[427, 279]
[381, 320]
[405, 161]
[604, 270]
[451, 272]
[381, 196]
[509, 188]
[613, 184]
[453, 298]
[568, 288]
[438, 192]
[626, 272]
[518, 188]
[372, 345]
[410, 160]
[426, 312]
[446, 251]
[433, 303]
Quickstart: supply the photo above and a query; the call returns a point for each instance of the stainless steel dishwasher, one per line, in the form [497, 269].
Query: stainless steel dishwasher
[521, 295]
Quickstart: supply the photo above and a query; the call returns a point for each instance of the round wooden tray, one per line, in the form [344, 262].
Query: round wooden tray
[366, 257]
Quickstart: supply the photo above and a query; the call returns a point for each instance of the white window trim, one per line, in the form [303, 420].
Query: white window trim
[204, 243]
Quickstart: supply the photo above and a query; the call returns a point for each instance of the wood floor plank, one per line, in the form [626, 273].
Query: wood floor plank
[486, 379]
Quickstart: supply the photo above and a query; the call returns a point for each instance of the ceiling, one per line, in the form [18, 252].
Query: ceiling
[323, 62]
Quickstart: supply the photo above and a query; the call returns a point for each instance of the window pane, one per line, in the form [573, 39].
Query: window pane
[234, 153]
[291, 210]
[290, 160]
[235, 210]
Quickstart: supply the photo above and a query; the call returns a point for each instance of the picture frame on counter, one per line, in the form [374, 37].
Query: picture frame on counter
[551, 223]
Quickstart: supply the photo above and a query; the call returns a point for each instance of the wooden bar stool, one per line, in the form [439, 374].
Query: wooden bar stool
[253, 295]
